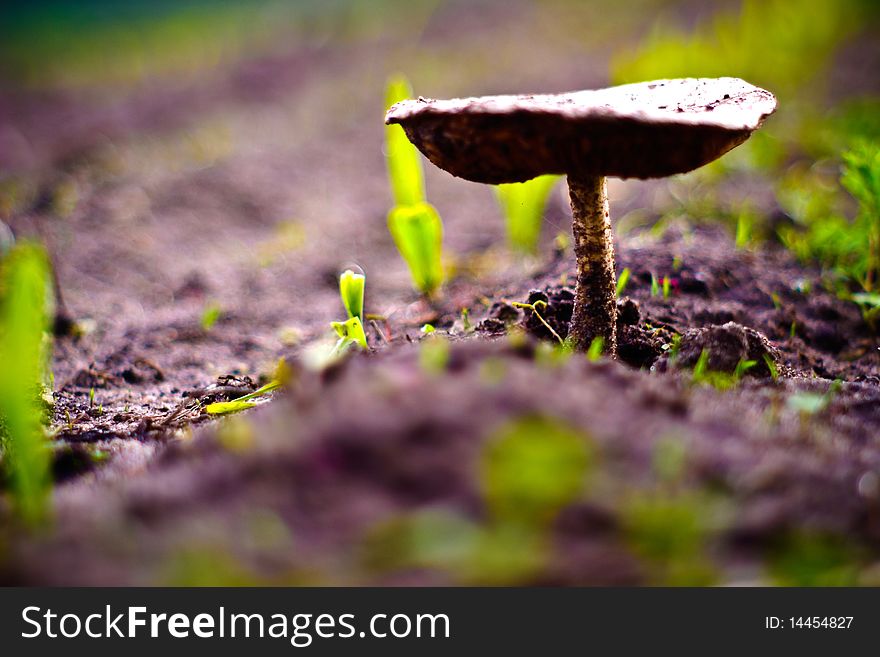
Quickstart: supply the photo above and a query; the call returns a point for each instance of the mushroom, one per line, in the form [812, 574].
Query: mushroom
[643, 130]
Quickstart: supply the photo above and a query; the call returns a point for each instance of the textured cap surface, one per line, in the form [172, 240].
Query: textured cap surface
[643, 130]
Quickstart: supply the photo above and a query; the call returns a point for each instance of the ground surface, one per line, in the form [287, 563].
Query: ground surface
[250, 191]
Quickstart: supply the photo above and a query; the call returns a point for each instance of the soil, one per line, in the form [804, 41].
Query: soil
[230, 200]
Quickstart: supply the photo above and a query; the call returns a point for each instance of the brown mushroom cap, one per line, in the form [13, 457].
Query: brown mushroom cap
[644, 130]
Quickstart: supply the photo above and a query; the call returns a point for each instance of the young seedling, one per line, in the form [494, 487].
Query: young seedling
[414, 224]
[241, 403]
[210, 315]
[622, 280]
[351, 289]
[351, 334]
[403, 161]
[24, 355]
[537, 308]
[594, 353]
[646, 130]
[719, 380]
[771, 366]
[418, 235]
[523, 206]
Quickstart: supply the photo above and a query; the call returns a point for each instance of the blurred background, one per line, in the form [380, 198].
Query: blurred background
[190, 84]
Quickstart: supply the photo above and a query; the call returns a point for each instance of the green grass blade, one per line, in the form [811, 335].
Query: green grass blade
[259, 392]
[622, 281]
[418, 234]
[403, 159]
[241, 403]
[224, 408]
[24, 320]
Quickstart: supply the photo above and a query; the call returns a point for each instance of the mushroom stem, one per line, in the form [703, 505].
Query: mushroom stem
[595, 303]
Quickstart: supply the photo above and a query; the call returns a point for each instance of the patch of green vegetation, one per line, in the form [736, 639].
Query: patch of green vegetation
[870, 305]
[25, 351]
[414, 224]
[719, 380]
[210, 315]
[794, 65]
[523, 206]
[814, 559]
[670, 527]
[804, 36]
[531, 469]
[848, 249]
[433, 353]
[550, 355]
[670, 532]
[812, 403]
[208, 566]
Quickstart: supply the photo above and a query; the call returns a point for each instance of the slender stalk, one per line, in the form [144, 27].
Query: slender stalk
[595, 306]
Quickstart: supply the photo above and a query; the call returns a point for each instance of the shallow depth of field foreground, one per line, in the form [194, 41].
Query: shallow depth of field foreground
[249, 335]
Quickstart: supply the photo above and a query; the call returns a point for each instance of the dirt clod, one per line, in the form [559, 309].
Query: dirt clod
[728, 345]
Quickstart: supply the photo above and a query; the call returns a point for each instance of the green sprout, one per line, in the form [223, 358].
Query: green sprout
[415, 225]
[351, 334]
[241, 403]
[622, 280]
[718, 379]
[667, 283]
[655, 286]
[24, 353]
[403, 159]
[523, 206]
[597, 346]
[210, 315]
[771, 366]
[466, 320]
[745, 223]
[351, 289]
[418, 234]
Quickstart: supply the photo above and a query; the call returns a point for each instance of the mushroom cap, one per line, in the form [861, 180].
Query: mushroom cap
[643, 130]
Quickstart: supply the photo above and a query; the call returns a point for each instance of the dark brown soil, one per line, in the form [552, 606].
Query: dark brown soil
[254, 203]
